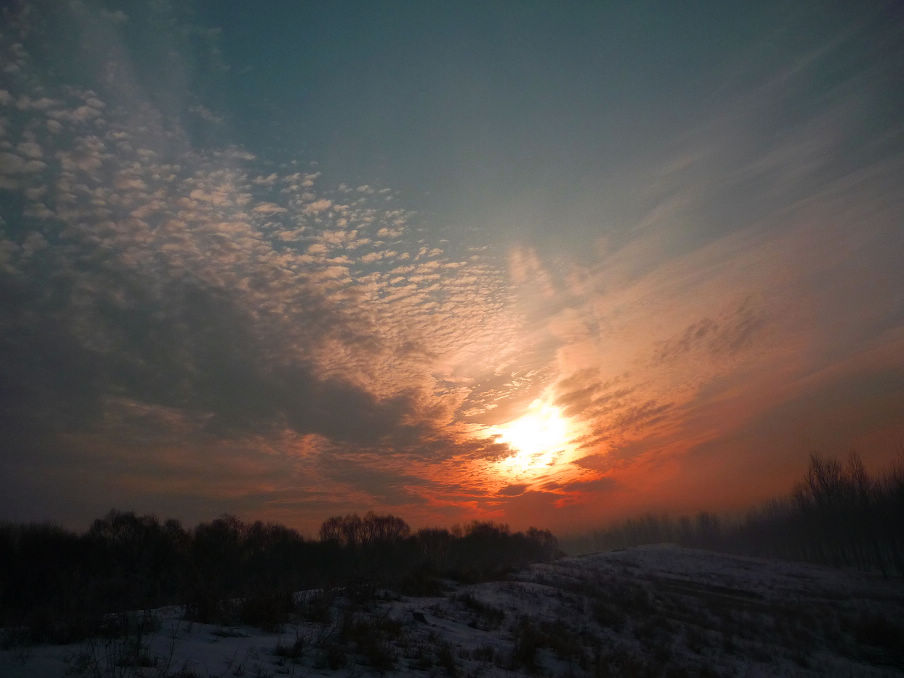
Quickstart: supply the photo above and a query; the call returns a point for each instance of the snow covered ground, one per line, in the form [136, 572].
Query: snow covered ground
[658, 611]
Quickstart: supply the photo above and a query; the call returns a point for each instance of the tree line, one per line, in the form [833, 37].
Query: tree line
[60, 586]
[837, 514]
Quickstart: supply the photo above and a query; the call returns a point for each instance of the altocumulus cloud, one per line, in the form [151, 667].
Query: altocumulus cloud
[212, 297]
[193, 323]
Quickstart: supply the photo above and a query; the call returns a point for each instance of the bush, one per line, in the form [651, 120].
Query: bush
[266, 611]
[486, 617]
[293, 650]
[527, 641]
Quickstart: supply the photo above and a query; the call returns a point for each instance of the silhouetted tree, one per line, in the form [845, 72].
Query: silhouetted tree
[837, 514]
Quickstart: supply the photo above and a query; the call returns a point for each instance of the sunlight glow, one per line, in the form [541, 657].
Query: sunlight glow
[538, 439]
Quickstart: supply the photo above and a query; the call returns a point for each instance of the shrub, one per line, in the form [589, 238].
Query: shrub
[266, 611]
[486, 617]
[293, 650]
[527, 641]
[446, 659]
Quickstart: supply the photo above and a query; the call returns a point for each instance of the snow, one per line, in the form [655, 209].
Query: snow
[640, 611]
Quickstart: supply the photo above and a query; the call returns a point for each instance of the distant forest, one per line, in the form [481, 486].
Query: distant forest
[837, 515]
[58, 586]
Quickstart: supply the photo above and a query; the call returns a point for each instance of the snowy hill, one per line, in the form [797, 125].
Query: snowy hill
[658, 610]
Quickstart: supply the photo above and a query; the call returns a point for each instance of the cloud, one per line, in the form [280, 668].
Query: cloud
[206, 114]
[217, 323]
[10, 163]
[318, 206]
[734, 333]
[513, 490]
[269, 208]
[154, 303]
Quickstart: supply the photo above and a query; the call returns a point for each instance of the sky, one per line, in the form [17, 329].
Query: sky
[550, 264]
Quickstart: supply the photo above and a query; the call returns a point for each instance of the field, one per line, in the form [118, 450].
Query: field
[648, 611]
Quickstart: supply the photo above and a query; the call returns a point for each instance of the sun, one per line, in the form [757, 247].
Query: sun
[538, 439]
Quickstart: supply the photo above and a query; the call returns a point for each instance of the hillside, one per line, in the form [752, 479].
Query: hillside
[656, 610]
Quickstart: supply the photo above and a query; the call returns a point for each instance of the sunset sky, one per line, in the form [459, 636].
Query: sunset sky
[550, 264]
